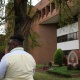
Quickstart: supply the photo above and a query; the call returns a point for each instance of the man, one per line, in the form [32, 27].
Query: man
[17, 64]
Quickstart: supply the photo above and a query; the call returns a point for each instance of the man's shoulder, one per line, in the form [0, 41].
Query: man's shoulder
[4, 57]
[7, 54]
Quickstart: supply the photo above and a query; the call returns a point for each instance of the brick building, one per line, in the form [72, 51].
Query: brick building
[67, 38]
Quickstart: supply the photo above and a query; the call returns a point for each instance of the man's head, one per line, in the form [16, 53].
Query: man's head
[15, 41]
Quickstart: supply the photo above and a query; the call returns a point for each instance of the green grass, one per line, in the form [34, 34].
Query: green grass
[56, 73]
[46, 76]
[39, 66]
[64, 70]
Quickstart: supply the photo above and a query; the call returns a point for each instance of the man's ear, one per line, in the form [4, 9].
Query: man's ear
[15, 44]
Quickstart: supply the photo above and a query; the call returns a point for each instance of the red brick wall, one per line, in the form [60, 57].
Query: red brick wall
[48, 38]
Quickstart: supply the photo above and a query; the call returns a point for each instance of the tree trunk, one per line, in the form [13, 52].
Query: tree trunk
[22, 21]
[20, 14]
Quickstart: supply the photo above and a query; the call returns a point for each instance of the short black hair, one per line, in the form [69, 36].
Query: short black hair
[18, 38]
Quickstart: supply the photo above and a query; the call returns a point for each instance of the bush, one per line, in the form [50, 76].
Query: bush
[65, 61]
[58, 57]
[70, 67]
[50, 64]
[78, 67]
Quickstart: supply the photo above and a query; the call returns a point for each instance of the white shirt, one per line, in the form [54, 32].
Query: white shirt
[4, 64]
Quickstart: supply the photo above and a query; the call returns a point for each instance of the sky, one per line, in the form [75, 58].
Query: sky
[34, 2]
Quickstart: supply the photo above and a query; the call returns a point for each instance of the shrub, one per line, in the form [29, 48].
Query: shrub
[78, 67]
[50, 64]
[58, 57]
[70, 67]
[65, 61]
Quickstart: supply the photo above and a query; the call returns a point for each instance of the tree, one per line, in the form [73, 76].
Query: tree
[10, 21]
[19, 19]
[66, 15]
[23, 18]
[2, 44]
[58, 57]
[2, 2]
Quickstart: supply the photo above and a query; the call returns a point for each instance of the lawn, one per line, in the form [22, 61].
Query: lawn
[63, 71]
[54, 74]
[46, 76]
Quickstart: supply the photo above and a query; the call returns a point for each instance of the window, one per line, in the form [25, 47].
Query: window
[39, 15]
[52, 7]
[43, 12]
[64, 38]
[75, 35]
[67, 37]
[58, 39]
[48, 7]
[71, 36]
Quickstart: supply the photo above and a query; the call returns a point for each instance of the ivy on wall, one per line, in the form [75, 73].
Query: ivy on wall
[66, 13]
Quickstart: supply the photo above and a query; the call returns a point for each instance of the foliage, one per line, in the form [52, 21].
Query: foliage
[2, 21]
[62, 71]
[33, 38]
[58, 57]
[56, 73]
[50, 64]
[10, 21]
[70, 67]
[59, 73]
[65, 60]
[24, 18]
[2, 43]
[78, 67]
[39, 65]
[4, 39]
[9, 29]
[19, 16]
[47, 76]
[66, 15]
